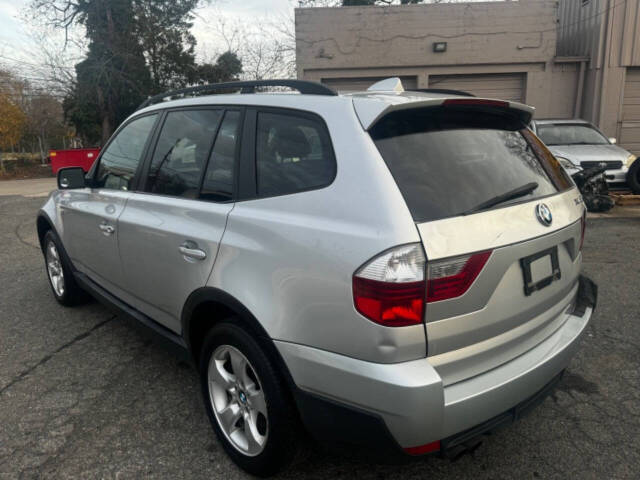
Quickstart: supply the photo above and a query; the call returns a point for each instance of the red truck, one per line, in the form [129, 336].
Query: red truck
[75, 157]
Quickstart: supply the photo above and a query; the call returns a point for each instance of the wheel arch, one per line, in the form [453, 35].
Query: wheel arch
[44, 224]
[208, 306]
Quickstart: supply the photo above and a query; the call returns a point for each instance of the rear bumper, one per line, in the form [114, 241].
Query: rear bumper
[463, 440]
[408, 402]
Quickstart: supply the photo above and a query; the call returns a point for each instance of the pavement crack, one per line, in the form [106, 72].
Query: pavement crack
[16, 231]
[48, 357]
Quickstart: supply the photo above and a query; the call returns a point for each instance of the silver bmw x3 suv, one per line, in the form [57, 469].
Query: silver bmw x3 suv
[398, 270]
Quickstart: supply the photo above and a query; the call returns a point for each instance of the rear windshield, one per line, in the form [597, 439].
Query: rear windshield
[449, 162]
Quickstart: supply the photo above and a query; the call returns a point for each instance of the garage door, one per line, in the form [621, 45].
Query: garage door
[508, 86]
[359, 84]
[630, 128]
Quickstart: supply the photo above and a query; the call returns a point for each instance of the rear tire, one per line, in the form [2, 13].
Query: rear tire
[60, 274]
[247, 401]
[633, 177]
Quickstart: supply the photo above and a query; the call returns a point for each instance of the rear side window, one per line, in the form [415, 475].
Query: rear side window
[447, 162]
[119, 162]
[182, 151]
[293, 153]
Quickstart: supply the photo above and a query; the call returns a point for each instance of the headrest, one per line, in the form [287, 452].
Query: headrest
[290, 142]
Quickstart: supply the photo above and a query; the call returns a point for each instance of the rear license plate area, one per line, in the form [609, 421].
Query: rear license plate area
[540, 269]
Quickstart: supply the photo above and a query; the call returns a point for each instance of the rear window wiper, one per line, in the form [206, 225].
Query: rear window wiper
[510, 195]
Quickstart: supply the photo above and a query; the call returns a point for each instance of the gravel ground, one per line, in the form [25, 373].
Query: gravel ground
[84, 395]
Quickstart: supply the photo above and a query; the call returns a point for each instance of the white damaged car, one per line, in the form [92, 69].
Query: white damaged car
[577, 144]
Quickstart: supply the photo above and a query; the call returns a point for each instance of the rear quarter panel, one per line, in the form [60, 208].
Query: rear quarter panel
[290, 259]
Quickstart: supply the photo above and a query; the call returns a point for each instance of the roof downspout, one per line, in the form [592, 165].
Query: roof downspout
[577, 109]
[605, 61]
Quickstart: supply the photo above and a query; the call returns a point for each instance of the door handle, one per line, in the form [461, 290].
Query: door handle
[191, 250]
[107, 229]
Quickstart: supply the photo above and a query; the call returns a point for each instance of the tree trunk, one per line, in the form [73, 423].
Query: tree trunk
[106, 128]
[42, 157]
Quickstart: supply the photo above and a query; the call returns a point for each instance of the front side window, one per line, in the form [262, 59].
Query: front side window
[293, 153]
[119, 162]
[567, 134]
[181, 153]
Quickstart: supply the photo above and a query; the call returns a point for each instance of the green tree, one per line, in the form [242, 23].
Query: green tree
[163, 30]
[137, 48]
[227, 67]
[114, 78]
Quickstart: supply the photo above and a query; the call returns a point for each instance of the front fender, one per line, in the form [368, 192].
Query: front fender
[48, 217]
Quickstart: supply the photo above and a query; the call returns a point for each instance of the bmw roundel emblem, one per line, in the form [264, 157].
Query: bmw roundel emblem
[544, 214]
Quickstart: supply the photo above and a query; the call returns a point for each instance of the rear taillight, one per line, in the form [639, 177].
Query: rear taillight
[452, 277]
[390, 289]
[583, 228]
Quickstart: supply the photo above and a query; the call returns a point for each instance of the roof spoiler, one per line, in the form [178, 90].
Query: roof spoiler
[443, 91]
[370, 110]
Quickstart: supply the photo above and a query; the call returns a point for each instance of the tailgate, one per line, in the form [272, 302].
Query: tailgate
[492, 206]
[497, 319]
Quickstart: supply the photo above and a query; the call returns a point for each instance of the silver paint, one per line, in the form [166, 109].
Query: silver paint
[237, 400]
[290, 259]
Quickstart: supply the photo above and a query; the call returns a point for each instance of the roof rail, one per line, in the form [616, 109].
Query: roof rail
[303, 86]
[445, 91]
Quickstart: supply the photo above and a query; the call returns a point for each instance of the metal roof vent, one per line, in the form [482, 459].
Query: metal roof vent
[393, 84]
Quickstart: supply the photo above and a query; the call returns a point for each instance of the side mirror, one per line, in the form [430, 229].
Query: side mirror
[613, 140]
[70, 178]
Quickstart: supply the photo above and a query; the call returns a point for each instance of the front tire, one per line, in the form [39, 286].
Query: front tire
[247, 401]
[63, 284]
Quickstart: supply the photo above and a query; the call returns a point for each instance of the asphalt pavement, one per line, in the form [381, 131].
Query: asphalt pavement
[84, 395]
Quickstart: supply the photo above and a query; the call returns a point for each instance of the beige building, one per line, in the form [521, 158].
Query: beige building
[568, 58]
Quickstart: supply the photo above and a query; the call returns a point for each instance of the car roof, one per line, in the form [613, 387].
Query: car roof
[291, 99]
[369, 105]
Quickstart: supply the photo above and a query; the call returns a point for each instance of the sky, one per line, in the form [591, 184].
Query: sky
[20, 49]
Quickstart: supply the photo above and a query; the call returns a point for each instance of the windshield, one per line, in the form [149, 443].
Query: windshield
[570, 135]
[447, 163]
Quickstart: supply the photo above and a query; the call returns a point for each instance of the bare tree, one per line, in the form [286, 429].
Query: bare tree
[264, 49]
[61, 14]
[45, 120]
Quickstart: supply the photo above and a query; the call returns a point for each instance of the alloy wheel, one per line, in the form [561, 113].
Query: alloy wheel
[54, 269]
[237, 400]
